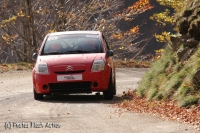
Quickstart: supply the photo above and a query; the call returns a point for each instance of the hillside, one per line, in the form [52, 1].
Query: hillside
[147, 29]
[176, 76]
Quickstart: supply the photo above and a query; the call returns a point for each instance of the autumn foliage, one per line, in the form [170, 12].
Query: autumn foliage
[175, 74]
[163, 109]
[24, 23]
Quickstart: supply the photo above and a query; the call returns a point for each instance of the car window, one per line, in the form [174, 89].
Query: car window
[68, 44]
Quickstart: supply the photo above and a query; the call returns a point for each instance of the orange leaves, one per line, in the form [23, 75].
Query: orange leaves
[4, 38]
[18, 66]
[7, 38]
[144, 64]
[134, 30]
[117, 36]
[163, 18]
[164, 37]
[42, 11]
[4, 68]
[163, 109]
[159, 51]
[69, 14]
[6, 21]
[51, 31]
[159, 54]
[176, 4]
[139, 4]
[137, 8]
[104, 4]
[20, 14]
[121, 48]
[4, 4]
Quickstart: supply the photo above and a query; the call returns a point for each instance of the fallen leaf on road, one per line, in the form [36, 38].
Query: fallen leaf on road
[164, 109]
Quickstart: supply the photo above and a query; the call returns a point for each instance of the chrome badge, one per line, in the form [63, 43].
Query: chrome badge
[69, 68]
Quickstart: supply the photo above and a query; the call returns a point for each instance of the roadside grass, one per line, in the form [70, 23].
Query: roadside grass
[16, 66]
[170, 79]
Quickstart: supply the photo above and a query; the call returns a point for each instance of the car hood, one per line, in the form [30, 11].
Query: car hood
[69, 59]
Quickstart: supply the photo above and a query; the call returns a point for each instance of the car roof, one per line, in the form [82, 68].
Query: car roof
[74, 32]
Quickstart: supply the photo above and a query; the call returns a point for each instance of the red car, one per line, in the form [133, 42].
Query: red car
[74, 62]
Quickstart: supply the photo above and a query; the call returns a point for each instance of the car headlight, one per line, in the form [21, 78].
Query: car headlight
[42, 68]
[98, 65]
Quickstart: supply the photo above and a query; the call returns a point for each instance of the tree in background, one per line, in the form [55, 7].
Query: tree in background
[147, 29]
[24, 23]
[166, 18]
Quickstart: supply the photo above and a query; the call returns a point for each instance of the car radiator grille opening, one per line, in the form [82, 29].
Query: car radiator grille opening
[71, 87]
[69, 72]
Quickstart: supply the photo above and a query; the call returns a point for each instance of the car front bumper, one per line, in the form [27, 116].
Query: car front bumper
[90, 82]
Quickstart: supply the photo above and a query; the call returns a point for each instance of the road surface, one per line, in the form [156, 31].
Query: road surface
[75, 113]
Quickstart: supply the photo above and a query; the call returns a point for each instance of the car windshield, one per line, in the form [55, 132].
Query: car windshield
[72, 44]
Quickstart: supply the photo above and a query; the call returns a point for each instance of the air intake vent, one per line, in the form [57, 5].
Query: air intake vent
[71, 87]
[70, 72]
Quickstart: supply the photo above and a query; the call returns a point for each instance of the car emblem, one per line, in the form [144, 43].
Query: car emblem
[69, 68]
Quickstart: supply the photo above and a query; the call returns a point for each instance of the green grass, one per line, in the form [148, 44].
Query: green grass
[188, 101]
[170, 79]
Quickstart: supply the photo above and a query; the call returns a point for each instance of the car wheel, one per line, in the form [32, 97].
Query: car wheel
[37, 96]
[114, 88]
[109, 93]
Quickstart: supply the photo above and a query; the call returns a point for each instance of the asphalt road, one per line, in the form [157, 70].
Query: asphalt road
[19, 112]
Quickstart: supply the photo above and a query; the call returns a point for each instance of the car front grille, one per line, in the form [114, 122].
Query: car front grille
[69, 72]
[70, 87]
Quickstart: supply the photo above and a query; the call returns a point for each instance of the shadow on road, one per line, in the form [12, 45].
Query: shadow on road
[80, 99]
[70, 99]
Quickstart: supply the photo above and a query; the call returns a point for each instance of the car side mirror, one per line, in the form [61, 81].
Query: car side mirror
[110, 53]
[35, 55]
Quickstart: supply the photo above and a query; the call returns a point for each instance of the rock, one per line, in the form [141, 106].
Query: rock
[187, 13]
[180, 53]
[186, 55]
[191, 18]
[192, 42]
[175, 42]
[194, 31]
[183, 26]
[184, 38]
[197, 76]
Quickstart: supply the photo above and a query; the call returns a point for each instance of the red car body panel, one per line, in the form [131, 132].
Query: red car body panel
[81, 64]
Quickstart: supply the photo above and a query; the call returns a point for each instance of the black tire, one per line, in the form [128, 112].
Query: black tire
[115, 92]
[109, 93]
[37, 96]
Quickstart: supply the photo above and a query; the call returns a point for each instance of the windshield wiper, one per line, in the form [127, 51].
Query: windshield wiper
[77, 51]
[67, 52]
[53, 53]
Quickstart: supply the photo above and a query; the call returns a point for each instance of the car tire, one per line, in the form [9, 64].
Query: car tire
[37, 96]
[109, 93]
[115, 92]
